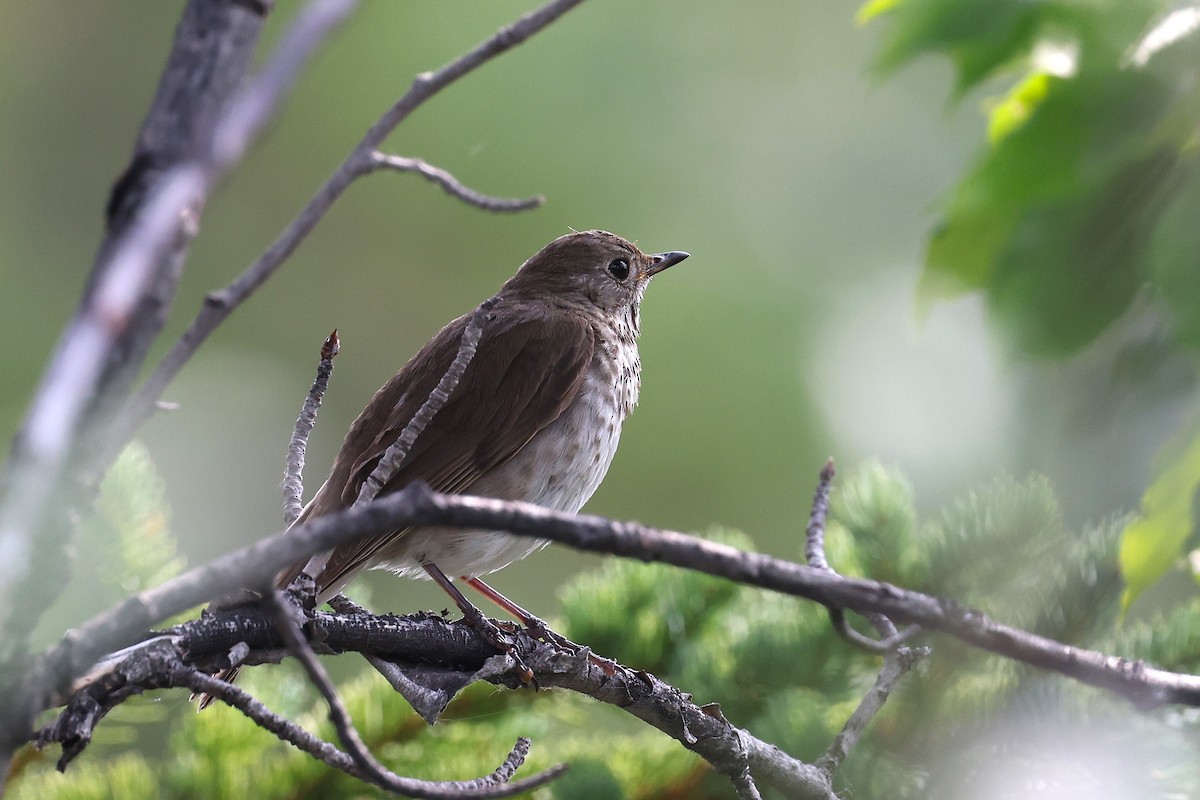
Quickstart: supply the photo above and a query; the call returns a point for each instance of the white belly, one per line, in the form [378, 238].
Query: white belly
[560, 468]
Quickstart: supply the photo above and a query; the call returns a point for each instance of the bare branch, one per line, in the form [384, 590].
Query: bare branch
[895, 666]
[429, 639]
[704, 730]
[219, 305]
[210, 56]
[200, 683]
[367, 767]
[293, 479]
[841, 626]
[814, 533]
[372, 770]
[78, 367]
[1142, 684]
[451, 184]
[393, 458]
[428, 701]
[212, 52]
[159, 666]
[47, 439]
[814, 553]
[744, 785]
[255, 566]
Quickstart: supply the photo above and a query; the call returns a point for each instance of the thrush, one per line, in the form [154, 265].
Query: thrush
[536, 415]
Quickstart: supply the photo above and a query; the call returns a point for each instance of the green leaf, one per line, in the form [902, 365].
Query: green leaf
[1071, 268]
[962, 253]
[874, 8]
[1072, 209]
[1054, 223]
[1154, 540]
[1015, 109]
[978, 36]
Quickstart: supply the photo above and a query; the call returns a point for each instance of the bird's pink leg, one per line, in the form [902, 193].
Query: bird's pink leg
[472, 614]
[535, 625]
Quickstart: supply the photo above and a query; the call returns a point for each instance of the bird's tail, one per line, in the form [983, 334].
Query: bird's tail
[204, 699]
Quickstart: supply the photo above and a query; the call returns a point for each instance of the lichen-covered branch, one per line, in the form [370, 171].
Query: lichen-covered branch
[293, 477]
[430, 640]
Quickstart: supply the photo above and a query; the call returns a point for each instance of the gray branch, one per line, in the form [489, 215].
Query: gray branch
[161, 664]
[136, 269]
[136, 273]
[366, 765]
[92, 345]
[453, 186]
[210, 57]
[254, 567]
[219, 305]
[454, 646]
[393, 458]
[895, 666]
[293, 477]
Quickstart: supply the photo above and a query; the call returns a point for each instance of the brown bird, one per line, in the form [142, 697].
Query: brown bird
[535, 416]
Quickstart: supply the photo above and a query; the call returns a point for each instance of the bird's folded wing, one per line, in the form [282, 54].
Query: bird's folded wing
[521, 379]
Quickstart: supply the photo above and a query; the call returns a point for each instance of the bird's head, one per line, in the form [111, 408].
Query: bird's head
[593, 267]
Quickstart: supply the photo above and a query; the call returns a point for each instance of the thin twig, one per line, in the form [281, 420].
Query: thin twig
[416, 504]
[201, 683]
[452, 185]
[375, 772]
[895, 665]
[428, 639]
[814, 533]
[393, 458]
[814, 553]
[368, 768]
[219, 305]
[841, 626]
[73, 376]
[293, 479]
[745, 787]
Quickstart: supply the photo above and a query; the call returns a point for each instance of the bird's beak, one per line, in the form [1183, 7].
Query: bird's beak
[660, 261]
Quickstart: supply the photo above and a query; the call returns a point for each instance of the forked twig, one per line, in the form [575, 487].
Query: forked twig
[452, 185]
[219, 305]
[814, 554]
[896, 665]
[367, 766]
[121, 280]
[897, 660]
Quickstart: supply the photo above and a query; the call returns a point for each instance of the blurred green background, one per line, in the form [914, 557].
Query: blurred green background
[756, 141]
[769, 145]
[810, 190]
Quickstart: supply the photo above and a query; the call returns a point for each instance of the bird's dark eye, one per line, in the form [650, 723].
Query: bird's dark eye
[619, 269]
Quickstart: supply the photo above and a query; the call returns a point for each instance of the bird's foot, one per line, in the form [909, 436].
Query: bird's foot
[491, 632]
[538, 629]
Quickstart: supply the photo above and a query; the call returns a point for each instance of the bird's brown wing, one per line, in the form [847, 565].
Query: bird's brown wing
[522, 377]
